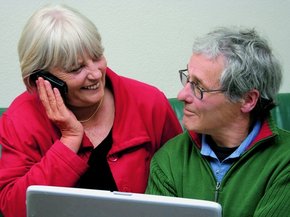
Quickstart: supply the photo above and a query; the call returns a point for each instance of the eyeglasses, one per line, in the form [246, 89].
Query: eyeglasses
[197, 90]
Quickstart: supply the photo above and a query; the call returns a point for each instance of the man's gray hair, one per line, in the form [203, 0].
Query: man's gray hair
[249, 62]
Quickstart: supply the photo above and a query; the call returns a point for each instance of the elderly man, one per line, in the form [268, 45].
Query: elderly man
[232, 152]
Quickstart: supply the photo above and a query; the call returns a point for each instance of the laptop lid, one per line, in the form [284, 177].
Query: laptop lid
[48, 201]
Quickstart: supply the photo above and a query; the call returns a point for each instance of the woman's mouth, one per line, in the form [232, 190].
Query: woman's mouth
[92, 87]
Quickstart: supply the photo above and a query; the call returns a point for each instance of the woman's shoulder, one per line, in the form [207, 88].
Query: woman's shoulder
[139, 90]
[23, 104]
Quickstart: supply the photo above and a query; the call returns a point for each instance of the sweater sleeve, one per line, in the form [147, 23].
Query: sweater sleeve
[275, 201]
[159, 183]
[29, 157]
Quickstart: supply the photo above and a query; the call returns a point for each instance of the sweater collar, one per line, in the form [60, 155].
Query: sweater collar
[268, 129]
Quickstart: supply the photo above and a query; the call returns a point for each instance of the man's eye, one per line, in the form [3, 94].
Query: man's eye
[199, 87]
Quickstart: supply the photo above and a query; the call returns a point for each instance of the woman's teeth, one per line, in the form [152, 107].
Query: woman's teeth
[92, 87]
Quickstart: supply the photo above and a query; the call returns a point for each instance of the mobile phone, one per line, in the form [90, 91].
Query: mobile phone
[53, 80]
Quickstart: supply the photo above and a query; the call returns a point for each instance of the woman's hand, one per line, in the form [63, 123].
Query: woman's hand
[71, 129]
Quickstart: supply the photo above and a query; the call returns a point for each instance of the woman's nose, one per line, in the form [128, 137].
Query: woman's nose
[93, 70]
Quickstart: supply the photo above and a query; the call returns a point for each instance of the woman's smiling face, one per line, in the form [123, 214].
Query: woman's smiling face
[86, 83]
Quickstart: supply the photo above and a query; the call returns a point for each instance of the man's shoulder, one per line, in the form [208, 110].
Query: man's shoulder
[179, 143]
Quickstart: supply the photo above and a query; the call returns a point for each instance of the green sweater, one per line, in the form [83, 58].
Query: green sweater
[258, 184]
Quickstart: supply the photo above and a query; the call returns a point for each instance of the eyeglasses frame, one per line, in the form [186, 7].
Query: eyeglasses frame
[195, 86]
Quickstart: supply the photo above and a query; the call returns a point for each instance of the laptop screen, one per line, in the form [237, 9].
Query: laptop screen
[48, 201]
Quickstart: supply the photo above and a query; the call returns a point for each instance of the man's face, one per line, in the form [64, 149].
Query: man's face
[214, 112]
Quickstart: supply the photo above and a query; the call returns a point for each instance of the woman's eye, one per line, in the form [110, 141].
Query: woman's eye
[76, 70]
[96, 59]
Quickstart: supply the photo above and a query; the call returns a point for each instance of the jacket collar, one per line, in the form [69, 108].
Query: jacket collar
[268, 129]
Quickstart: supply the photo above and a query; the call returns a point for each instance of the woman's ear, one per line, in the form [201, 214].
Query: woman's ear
[250, 100]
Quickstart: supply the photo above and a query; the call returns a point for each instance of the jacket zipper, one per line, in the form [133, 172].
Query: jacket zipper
[216, 194]
[218, 184]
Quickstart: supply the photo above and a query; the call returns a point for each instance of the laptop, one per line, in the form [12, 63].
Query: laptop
[51, 201]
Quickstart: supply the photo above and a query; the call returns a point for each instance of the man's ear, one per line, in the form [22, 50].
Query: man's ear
[250, 100]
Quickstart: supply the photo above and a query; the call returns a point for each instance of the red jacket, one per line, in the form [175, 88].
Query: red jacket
[32, 153]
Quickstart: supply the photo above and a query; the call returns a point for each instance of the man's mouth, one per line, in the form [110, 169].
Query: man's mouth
[188, 112]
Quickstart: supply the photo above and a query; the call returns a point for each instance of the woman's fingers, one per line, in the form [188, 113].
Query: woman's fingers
[59, 100]
[42, 94]
[52, 100]
[71, 129]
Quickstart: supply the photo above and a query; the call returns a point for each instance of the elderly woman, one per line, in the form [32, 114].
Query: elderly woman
[232, 151]
[99, 130]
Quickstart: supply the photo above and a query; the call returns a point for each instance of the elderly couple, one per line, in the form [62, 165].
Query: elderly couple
[100, 130]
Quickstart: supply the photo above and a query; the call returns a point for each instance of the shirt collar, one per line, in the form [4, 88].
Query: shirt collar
[207, 151]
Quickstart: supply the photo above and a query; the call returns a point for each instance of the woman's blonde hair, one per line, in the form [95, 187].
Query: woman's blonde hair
[56, 36]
